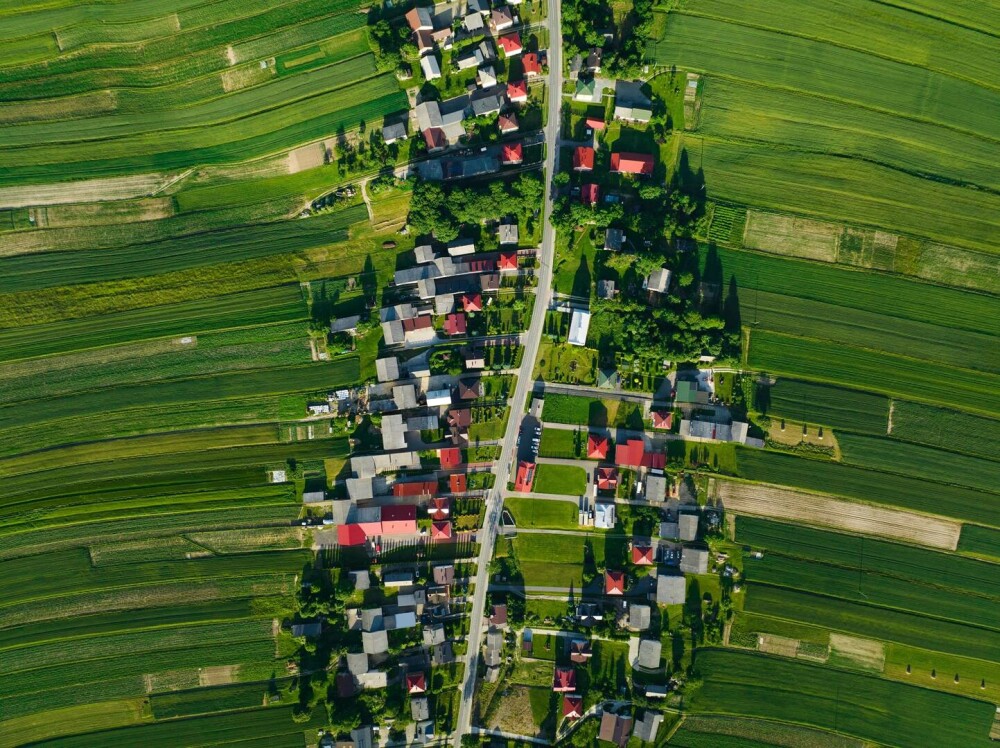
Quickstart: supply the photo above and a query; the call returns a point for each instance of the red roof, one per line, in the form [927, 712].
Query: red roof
[633, 454]
[511, 153]
[580, 650]
[525, 477]
[607, 478]
[595, 123]
[416, 682]
[517, 90]
[459, 417]
[590, 194]
[450, 457]
[531, 64]
[440, 508]
[564, 679]
[510, 43]
[417, 323]
[643, 555]
[440, 530]
[632, 163]
[508, 260]
[572, 706]
[472, 302]
[435, 138]
[349, 535]
[662, 419]
[399, 519]
[597, 447]
[499, 616]
[418, 488]
[583, 158]
[454, 324]
[507, 123]
[458, 483]
[614, 583]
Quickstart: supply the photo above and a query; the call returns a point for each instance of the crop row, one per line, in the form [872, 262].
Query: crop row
[878, 589]
[872, 622]
[982, 541]
[870, 708]
[255, 135]
[948, 429]
[896, 376]
[891, 456]
[875, 293]
[48, 269]
[919, 39]
[208, 700]
[876, 556]
[828, 406]
[865, 485]
[862, 329]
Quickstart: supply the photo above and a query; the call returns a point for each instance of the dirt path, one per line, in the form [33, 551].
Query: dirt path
[368, 202]
[892, 408]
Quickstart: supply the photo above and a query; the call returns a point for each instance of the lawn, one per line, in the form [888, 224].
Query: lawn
[556, 515]
[560, 479]
[562, 443]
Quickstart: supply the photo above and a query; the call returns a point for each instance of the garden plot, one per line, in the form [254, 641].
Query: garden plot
[827, 511]
[790, 235]
[851, 651]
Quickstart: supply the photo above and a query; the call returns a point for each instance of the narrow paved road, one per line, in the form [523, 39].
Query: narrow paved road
[543, 295]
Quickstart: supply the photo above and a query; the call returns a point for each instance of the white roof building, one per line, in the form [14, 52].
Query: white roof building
[578, 327]
[430, 66]
[438, 397]
[604, 516]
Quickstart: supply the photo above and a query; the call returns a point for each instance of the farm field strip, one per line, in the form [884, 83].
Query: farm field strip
[856, 328]
[889, 374]
[922, 462]
[946, 429]
[824, 510]
[860, 705]
[981, 541]
[828, 406]
[703, 731]
[885, 624]
[862, 484]
[877, 556]
[873, 293]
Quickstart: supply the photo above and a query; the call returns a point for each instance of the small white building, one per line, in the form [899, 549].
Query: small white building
[436, 398]
[578, 327]
[429, 65]
[604, 516]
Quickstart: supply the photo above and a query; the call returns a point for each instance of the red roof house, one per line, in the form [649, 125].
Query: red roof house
[597, 446]
[633, 454]
[583, 158]
[525, 477]
[642, 555]
[595, 123]
[572, 707]
[472, 302]
[435, 138]
[416, 682]
[517, 92]
[511, 153]
[510, 44]
[590, 194]
[454, 324]
[662, 419]
[531, 65]
[580, 650]
[460, 418]
[439, 508]
[499, 615]
[507, 123]
[508, 261]
[458, 483]
[614, 583]
[451, 457]
[399, 519]
[632, 163]
[440, 530]
[414, 488]
[564, 680]
[607, 478]
[349, 535]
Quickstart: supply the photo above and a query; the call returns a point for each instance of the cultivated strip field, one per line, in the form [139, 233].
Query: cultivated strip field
[816, 509]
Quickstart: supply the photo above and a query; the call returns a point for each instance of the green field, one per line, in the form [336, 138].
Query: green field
[556, 515]
[870, 708]
[560, 479]
[948, 429]
[829, 406]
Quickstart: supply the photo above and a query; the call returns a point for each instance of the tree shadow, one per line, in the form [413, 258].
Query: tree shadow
[597, 415]
[582, 279]
[369, 281]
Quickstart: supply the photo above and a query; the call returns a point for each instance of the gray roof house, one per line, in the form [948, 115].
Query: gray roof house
[670, 589]
[307, 629]
[694, 561]
[657, 281]
[405, 396]
[345, 324]
[656, 487]
[375, 642]
[493, 648]
[669, 530]
[638, 617]
[614, 239]
[362, 737]
[649, 654]
[387, 369]
[393, 132]
[372, 619]
[433, 634]
[508, 233]
[420, 708]
[488, 101]
[647, 727]
[393, 432]
[357, 662]
[688, 526]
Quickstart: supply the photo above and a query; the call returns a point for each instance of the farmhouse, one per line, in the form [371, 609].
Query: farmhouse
[532, 66]
[564, 680]
[614, 583]
[572, 706]
[420, 19]
[597, 446]
[694, 561]
[670, 589]
[633, 453]
[510, 44]
[643, 554]
[517, 92]
[607, 478]
[631, 163]
[583, 158]
[392, 132]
